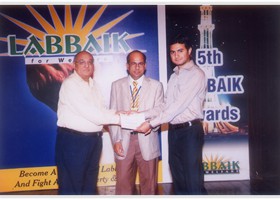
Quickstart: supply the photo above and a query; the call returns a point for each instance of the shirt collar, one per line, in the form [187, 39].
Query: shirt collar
[139, 81]
[186, 66]
[77, 77]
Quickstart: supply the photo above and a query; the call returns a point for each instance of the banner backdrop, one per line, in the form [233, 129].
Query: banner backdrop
[37, 45]
[218, 41]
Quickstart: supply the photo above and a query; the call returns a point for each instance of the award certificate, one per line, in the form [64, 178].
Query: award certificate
[132, 121]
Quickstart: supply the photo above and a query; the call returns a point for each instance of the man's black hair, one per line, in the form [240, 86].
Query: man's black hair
[181, 39]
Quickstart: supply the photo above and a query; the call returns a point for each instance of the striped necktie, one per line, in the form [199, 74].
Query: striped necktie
[134, 97]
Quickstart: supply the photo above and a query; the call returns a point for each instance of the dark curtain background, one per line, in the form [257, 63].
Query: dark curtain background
[264, 97]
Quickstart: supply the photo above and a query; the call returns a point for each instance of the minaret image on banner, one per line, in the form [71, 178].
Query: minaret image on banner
[212, 100]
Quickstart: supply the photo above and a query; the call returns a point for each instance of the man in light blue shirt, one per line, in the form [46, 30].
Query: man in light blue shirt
[183, 110]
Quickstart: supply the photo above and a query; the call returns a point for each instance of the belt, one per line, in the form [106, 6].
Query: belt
[184, 125]
[98, 133]
[134, 132]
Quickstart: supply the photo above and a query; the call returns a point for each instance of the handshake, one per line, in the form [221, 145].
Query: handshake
[135, 121]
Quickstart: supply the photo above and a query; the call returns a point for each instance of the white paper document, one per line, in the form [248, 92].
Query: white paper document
[132, 121]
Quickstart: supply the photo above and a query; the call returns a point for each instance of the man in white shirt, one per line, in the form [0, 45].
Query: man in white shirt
[183, 110]
[81, 116]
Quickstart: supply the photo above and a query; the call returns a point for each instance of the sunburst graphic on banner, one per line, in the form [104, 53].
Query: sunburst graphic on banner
[78, 26]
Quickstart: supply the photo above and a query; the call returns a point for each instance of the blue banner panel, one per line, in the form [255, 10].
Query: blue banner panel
[37, 45]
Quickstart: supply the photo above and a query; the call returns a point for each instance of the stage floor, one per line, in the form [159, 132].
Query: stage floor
[213, 188]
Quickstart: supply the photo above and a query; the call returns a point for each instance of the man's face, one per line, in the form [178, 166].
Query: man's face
[136, 66]
[179, 54]
[84, 65]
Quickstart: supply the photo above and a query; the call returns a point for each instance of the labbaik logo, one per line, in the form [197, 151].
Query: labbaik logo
[68, 37]
[51, 44]
[219, 165]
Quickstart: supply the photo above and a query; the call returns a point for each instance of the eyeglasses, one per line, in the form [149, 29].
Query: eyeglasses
[83, 63]
[134, 64]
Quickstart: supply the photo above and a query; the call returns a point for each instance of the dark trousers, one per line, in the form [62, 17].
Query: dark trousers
[77, 159]
[185, 160]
